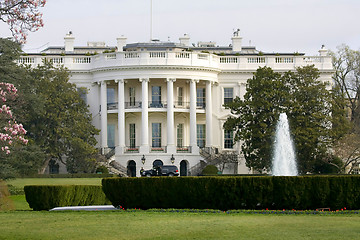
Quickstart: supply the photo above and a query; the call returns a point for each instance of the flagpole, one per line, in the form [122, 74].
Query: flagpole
[151, 20]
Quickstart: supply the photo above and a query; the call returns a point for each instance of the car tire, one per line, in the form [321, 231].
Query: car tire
[148, 175]
[171, 174]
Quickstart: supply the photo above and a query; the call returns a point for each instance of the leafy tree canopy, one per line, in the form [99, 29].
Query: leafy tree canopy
[308, 104]
[52, 111]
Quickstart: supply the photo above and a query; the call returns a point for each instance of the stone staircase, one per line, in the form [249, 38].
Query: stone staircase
[113, 166]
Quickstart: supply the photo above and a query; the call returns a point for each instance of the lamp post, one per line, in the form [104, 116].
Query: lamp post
[143, 159]
[172, 158]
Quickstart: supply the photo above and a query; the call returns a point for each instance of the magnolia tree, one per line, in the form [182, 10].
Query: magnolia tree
[22, 16]
[11, 132]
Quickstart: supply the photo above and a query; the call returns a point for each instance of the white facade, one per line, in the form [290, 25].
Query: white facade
[161, 100]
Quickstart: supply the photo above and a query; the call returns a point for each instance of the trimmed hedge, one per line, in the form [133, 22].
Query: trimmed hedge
[45, 197]
[305, 192]
[69, 175]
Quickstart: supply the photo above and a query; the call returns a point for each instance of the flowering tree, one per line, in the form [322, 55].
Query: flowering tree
[22, 16]
[11, 131]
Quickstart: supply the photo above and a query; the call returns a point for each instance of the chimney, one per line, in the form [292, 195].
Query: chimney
[185, 40]
[69, 42]
[323, 51]
[121, 43]
[236, 41]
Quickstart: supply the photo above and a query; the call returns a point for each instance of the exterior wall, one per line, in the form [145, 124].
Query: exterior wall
[181, 69]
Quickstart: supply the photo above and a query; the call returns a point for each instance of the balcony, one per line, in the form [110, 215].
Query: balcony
[157, 104]
[128, 149]
[183, 149]
[191, 59]
[133, 105]
[181, 104]
[161, 149]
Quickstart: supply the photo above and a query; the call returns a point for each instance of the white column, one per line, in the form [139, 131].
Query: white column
[144, 148]
[193, 144]
[121, 116]
[208, 115]
[171, 148]
[103, 106]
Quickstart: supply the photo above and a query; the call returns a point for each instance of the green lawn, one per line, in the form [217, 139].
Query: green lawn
[21, 182]
[167, 225]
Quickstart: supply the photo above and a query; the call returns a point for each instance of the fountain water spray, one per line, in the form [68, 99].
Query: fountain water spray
[284, 160]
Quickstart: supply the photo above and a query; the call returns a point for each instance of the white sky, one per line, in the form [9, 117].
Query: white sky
[270, 25]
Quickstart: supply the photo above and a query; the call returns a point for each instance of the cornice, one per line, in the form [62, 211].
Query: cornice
[155, 67]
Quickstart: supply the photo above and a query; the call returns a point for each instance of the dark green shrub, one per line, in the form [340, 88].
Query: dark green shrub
[46, 197]
[307, 192]
[210, 170]
[102, 170]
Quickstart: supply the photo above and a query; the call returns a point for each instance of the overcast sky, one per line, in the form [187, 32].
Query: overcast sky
[270, 25]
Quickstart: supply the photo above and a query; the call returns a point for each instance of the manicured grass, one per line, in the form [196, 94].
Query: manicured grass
[19, 202]
[21, 182]
[172, 225]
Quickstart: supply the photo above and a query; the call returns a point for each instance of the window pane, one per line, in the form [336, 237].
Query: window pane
[156, 134]
[180, 128]
[82, 93]
[132, 136]
[180, 96]
[228, 139]
[110, 95]
[200, 97]
[111, 135]
[132, 96]
[200, 132]
[228, 95]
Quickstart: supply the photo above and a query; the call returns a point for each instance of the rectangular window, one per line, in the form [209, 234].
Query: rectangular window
[200, 97]
[228, 139]
[201, 135]
[180, 96]
[82, 92]
[132, 96]
[228, 95]
[180, 134]
[132, 135]
[156, 96]
[111, 135]
[110, 95]
[156, 134]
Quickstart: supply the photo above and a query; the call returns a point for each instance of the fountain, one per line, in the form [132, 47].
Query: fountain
[284, 161]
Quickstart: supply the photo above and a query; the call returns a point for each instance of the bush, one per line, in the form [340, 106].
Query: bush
[307, 192]
[46, 197]
[210, 170]
[102, 170]
[74, 175]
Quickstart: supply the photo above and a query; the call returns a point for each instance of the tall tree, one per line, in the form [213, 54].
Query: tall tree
[307, 103]
[51, 109]
[62, 127]
[22, 16]
[346, 63]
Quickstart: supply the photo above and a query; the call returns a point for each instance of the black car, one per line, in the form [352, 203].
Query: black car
[165, 170]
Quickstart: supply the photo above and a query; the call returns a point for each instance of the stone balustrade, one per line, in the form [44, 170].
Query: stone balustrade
[186, 59]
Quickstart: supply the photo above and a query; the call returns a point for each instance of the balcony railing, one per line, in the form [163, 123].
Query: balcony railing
[182, 104]
[161, 149]
[131, 105]
[183, 149]
[112, 106]
[200, 105]
[157, 104]
[107, 60]
[131, 149]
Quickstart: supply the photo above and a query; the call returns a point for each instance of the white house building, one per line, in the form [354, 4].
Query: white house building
[162, 102]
